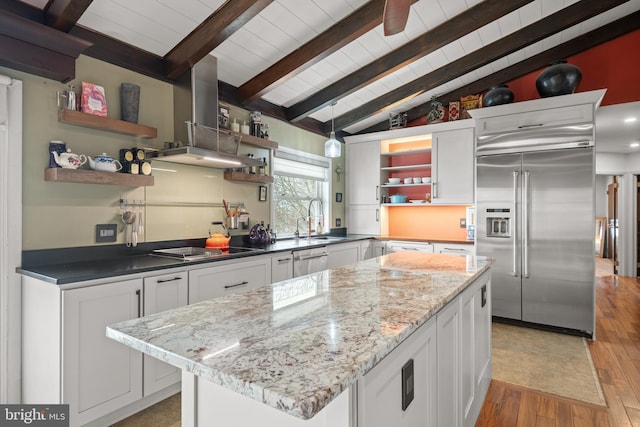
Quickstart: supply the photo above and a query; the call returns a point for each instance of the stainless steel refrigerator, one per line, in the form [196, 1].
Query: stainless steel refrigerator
[535, 216]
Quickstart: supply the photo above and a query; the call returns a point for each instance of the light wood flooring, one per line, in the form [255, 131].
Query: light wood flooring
[616, 356]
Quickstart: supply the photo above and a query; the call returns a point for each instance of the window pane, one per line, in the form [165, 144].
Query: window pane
[291, 198]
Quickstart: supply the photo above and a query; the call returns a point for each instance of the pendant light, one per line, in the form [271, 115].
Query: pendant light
[332, 148]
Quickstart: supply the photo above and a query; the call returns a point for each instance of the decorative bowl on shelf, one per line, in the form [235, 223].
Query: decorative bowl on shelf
[394, 180]
[426, 180]
[398, 198]
[417, 180]
[408, 180]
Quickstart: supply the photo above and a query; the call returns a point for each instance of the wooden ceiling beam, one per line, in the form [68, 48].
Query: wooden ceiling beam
[210, 33]
[539, 30]
[64, 14]
[565, 50]
[470, 20]
[334, 38]
[32, 47]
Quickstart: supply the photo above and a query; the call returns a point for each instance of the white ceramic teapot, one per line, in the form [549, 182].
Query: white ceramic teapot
[104, 163]
[69, 160]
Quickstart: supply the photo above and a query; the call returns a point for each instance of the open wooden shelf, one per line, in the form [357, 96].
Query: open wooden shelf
[247, 177]
[252, 140]
[79, 118]
[97, 177]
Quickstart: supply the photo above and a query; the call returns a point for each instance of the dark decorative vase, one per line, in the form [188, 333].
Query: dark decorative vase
[129, 102]
[559, 78]
[497, 95]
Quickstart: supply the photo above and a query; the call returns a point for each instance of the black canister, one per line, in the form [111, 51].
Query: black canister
[59, 147]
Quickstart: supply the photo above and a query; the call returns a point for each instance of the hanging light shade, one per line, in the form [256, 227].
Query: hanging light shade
[332, 148]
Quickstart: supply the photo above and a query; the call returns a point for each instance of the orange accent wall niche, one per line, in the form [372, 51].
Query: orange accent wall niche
[427, 222]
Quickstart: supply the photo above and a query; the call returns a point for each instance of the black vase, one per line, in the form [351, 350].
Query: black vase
[559, 78]
[497, 95]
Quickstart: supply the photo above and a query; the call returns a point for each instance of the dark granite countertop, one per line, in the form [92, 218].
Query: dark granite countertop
[71, 265]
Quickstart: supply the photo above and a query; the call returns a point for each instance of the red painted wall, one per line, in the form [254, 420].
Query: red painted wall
[614, 65]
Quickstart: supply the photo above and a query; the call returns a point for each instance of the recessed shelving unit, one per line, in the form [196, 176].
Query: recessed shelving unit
[247, 177]
[97, 177]
[93, 121]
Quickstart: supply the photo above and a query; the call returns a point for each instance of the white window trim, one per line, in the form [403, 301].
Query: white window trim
[286, 152]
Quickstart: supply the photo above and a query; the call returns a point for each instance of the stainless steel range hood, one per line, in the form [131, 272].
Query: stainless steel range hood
[197, 140]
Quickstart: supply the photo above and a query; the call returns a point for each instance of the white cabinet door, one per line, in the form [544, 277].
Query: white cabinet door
[453, 167]
[363, 219]
[281, 267]
[100, 375]
[380, 392]
[162, 292]
[363, 173]
[212, 282]
[448, 322]
[343, 254]
[454, 248]
[482, 345]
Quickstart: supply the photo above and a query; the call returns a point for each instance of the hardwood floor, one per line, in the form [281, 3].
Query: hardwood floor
[616, 356]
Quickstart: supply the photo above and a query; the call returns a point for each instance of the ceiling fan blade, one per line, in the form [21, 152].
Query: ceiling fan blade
[396, 13]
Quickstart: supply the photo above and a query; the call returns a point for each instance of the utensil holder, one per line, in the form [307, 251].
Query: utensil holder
[232, 222]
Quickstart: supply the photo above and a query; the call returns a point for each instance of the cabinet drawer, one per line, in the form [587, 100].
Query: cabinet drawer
[537, 119]
[213, 282]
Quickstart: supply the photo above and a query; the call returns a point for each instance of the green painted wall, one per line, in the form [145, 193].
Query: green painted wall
[59, 214]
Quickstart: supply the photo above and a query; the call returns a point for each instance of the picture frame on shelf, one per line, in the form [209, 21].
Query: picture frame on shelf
[262, 193]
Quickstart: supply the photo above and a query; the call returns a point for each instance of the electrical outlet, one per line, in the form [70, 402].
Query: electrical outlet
[463, 223]
[106, 233]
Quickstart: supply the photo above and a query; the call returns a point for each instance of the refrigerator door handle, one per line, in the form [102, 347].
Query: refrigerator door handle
[515, 228]
[525, 225]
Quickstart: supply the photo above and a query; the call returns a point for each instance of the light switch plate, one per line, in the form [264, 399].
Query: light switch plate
[463, 223]
[106, 233]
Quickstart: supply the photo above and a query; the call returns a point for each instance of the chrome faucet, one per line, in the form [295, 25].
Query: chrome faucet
[319, 231]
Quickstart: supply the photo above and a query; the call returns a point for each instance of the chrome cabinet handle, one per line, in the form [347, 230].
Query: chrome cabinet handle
[525, 225]
[281, 260]
[434, 190]
[236, 285]
[514, 224]
[304, 258]
[377, 192]
[377, 214]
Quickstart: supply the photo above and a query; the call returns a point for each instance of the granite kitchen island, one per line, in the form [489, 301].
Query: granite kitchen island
[403, 338]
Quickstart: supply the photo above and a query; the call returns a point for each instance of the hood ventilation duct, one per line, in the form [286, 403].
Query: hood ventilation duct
[197, 139]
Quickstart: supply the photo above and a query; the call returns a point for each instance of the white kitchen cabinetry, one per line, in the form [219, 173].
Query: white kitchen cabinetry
[453, 167]
[464, 355]
[454, 248]
[380, 392]
[162, 292]
[99, 374]
[343, 254]
[229, 277]
[372, 248]
[363, 219]
[363, 187]
[281, 266]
